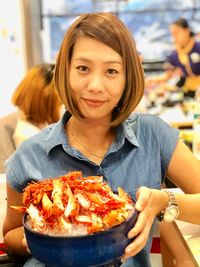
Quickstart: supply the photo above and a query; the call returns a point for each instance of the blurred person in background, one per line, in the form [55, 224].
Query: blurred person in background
[37, 101]
[183, 62]
[185, 57]
[38, 105]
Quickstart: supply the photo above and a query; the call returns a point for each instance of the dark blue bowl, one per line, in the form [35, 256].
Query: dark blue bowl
[89, 250]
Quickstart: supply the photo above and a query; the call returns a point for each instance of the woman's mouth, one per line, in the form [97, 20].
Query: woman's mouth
[94, 102]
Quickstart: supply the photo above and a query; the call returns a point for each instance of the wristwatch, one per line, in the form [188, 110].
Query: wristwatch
[171, 211]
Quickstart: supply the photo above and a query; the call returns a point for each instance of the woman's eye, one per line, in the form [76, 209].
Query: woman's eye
[112, 71]
[82, 68]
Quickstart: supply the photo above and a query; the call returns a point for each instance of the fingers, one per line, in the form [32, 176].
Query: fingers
[140, 241]
[139, 226]
[143, 195]
[143, 225]
[137, 245]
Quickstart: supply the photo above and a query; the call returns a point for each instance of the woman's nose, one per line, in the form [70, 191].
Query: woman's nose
[96, 84]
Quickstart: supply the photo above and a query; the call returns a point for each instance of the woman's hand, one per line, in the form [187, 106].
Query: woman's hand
[149, 203]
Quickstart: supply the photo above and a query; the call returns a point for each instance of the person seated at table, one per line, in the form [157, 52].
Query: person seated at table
[186, 56]
[37, 101]
[184, 60]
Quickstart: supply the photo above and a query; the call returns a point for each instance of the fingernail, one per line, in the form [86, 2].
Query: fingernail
[128, 250]
[138, 207]
[131, 234]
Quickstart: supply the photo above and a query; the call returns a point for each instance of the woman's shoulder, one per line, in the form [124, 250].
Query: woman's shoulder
[28, 160]
[142, 119]
[148, 122]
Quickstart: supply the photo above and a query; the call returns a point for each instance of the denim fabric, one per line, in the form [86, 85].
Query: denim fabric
[139, 156]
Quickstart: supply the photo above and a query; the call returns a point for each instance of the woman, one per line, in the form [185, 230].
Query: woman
[100, 80]
[185, 57]
[37, 101]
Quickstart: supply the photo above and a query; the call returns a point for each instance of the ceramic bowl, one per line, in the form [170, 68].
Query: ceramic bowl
[89, 250]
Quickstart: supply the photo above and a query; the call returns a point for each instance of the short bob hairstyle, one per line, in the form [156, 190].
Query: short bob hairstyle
[36, 96]
[108, 29]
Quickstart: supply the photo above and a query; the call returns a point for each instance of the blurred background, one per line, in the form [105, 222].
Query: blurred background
[31, 32]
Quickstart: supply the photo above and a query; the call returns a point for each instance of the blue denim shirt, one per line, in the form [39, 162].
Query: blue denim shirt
[139, 156]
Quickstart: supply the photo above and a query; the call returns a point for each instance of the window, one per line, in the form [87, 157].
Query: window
[148, 20]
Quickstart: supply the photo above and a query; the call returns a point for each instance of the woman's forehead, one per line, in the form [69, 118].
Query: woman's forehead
[86, 47]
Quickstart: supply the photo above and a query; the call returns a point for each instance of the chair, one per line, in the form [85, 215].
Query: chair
[7, 146]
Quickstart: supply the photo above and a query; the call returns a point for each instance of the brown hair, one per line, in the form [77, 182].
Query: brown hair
[106, 28]
[36, 95]
[183, 23]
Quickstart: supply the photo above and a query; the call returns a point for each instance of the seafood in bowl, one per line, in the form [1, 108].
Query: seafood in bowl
[76, 221]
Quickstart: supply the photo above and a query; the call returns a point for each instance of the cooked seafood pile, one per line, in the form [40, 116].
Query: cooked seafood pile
[74, 205]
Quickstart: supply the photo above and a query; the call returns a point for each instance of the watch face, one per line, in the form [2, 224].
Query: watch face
[171, 214]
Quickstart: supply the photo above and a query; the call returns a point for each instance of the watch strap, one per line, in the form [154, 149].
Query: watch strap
[172, 201]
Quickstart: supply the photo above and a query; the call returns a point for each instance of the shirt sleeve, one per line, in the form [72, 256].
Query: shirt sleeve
[171, 61]
[20, 167]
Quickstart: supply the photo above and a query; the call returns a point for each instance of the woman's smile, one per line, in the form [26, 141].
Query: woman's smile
[97, 79]
[95, 103]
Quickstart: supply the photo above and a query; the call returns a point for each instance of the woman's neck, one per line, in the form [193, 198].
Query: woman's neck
[187, 47]
[90, 138]
[91, 128]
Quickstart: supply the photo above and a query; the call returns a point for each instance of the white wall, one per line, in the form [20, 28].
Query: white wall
[12, 52]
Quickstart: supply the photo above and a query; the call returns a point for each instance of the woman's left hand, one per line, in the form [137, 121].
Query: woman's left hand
[149, 203]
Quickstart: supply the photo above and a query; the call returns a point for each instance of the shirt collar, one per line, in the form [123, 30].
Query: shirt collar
[57, 135]
[128, 129]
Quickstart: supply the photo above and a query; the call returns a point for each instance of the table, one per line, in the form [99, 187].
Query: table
[176, 118]
[190, 234]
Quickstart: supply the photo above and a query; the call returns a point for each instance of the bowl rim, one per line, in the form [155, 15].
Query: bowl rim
[135, 213]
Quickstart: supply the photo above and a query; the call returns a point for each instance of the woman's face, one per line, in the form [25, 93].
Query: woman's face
[97, 78]
[180, 35]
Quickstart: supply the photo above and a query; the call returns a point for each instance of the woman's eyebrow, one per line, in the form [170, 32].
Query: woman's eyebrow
[105, 62]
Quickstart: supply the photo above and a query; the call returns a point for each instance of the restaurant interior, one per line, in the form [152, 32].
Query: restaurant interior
[33, 35]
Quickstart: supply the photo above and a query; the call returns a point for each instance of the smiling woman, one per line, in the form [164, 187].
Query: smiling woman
[110, 40]
[100, 79]
[97, 83]
[97, 79]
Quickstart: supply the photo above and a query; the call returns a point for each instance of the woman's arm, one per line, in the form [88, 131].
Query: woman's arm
[12, 227]
[184, 171]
